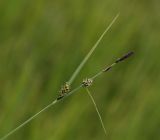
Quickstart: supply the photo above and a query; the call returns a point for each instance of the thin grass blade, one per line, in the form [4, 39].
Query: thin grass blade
[99, 115]
[91, 52]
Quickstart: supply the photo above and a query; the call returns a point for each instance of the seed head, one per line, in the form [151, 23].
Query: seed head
[64, 90]
[87, 82]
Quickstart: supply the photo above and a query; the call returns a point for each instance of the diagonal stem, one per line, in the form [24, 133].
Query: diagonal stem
[68, 94]
[91, 51]
[27, 121]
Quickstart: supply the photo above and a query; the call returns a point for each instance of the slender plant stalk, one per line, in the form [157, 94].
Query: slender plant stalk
[99, 115]
[37, 114]
[91, 52]
[27, 121]
[124, 57]
[68, 94]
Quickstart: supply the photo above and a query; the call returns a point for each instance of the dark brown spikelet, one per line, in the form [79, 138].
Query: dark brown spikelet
[125, 57]
[119, 60]
[107, 69]
[64, 90]
[59, 97]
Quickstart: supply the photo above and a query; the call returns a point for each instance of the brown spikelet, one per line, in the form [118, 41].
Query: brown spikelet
[125, 57]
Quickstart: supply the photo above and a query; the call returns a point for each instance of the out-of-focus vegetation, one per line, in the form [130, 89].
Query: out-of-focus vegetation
[41, 44]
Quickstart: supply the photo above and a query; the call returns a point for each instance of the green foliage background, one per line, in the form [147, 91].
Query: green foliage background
[41, 44]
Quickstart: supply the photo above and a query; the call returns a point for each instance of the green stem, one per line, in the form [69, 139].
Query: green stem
[99, 115]
[91, 51]
[68, 94]
[27, 121]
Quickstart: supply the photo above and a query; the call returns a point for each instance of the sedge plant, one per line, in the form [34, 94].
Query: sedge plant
[66, 89]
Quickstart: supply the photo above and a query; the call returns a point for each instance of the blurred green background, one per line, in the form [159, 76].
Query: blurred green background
[41, 44]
